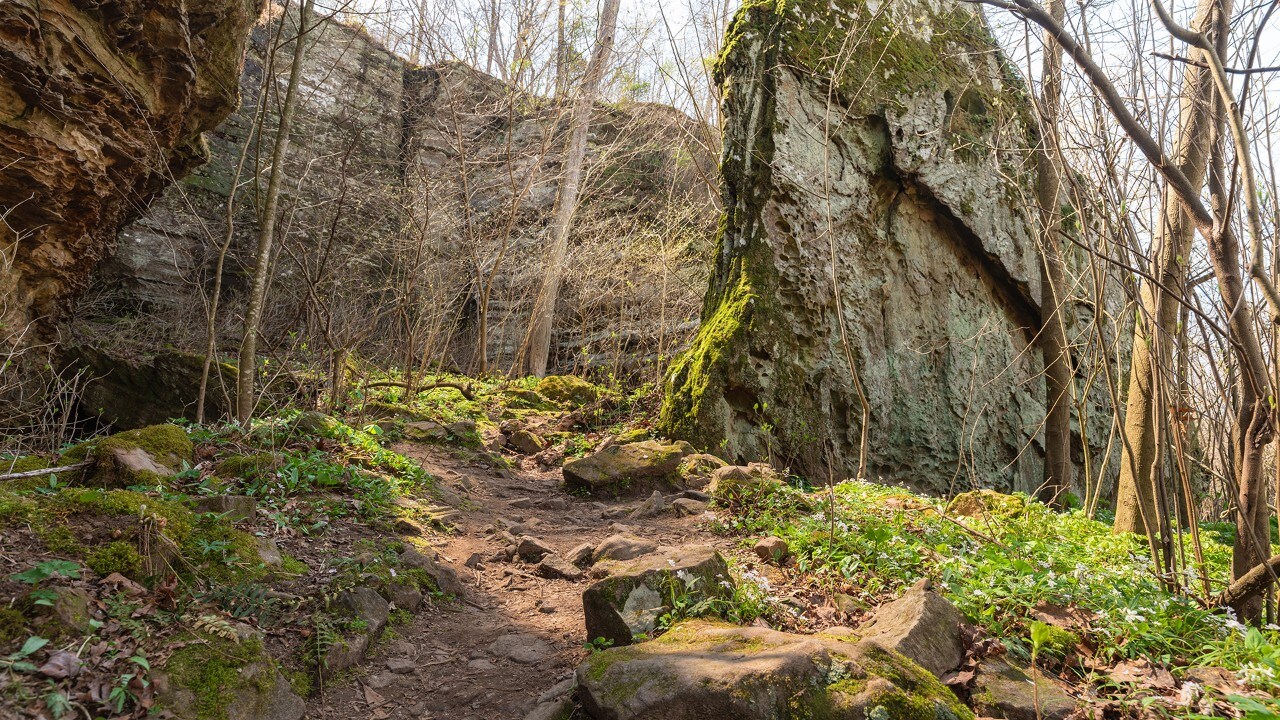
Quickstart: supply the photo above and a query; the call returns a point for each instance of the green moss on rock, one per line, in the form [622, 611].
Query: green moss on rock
[568, 389]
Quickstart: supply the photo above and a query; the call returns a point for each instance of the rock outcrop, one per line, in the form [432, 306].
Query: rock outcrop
[878, 195]
[102, 105]
[441, 173]
[709, 670]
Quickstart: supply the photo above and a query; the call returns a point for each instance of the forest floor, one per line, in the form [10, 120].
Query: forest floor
[515, 635]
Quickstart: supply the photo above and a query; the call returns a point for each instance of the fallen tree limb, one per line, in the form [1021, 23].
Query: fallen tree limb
[47, 471]
[1250, 584]
[464, 389]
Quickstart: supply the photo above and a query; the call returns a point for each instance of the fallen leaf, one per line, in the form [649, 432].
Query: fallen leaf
[61, 665]
[371, 697]
[124, 584]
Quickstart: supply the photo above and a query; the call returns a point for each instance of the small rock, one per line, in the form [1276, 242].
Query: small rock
[461, 428]
[526, 443]
[696, 469]
[73, 610]
[554, 566]
[401, 666]
[446, 577]
[628, 470]
[126, 466]
[623, 547]
[630, 601]
[560, 689]
[474, 560]
[236, 508]
[523, 648]
[405, 526]
[425, 431]
[269, 553]
[343, 655]
[1005, 691]
[922, 625]
[403, 594]
[482, 664]
[581, 555]
[772, 550]
[367, 605]
[531, 549]
[688, 506]
[654, 506]
[553, 710]
[377, 681]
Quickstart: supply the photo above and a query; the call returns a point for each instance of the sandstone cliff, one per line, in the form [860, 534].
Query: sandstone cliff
[879, 212]
[426, 191]
[101, 106]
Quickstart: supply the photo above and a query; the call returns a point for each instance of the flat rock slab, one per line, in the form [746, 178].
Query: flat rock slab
[704, 669]
[522, 648]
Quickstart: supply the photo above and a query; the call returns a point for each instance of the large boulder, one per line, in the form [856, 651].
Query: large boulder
[568, 390]
[628, 470]
[628, 602]
[1003, 689]
[102, 105]
[704, 669]
[923, 626]
[914, 184]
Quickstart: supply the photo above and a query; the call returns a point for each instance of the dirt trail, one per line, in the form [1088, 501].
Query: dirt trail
[517, 634]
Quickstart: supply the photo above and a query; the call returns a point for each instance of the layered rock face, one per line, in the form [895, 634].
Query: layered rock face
[878, 190]
[101, 106]
[428, 188]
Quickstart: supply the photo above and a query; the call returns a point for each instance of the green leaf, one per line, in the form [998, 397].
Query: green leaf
[32, 644]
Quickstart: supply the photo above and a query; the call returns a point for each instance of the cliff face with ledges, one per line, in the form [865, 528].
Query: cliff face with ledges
[879, 196]
[101, 106]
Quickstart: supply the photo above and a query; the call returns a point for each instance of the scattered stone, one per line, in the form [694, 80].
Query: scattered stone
[523, 648]
[623, 547]
[977, 503]
[269, 552]
[72, 610]
[406, 526]
[553, 710]
[523, 503]
[236, 508]
[702, 669]
[654, 506]
[461, 428]
[445, 577]
[344, 654]
[367, 605]
[526, 443]
[401, 666]
[555, 567]
[627, 470]
[482, 664]
[378, 681]
[531, 549]
[560, 689]
[425, 431]
[631, 599]
[121, 467]
[923, 626]
[474, 561]
[402, 593]
[772, 550]
[1002, 690]
[581, 555]
[696, 469]
[688, 506]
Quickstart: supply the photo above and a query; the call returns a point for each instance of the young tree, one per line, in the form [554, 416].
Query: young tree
[245, 395]
[538, 342]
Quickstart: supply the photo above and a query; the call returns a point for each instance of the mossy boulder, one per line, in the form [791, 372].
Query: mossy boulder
[703, 669]
[145, 456]
[315, 424]
[132, 392]
[736, 486]
[221, 679]
[10, 465]
[628, 470]
[248, 467]
[117, 557]
[568, 390]
[1004, 688]
[979, 503]
[628, 602]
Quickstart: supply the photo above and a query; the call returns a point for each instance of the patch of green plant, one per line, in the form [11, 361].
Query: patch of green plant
[118, 557]
[997, 569]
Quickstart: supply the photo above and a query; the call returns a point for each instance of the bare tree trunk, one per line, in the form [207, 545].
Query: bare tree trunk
[248, 361]
[1053, 335]
[538, 341]
[562, 53]
[1136, 506]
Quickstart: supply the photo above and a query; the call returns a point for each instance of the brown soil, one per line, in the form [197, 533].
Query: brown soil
[516, 634]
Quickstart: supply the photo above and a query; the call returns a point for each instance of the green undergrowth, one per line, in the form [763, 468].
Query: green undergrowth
[997, 567]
